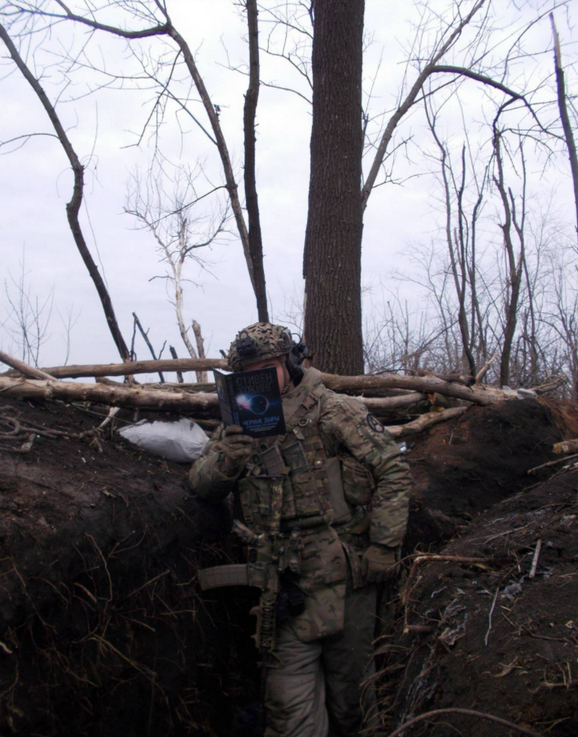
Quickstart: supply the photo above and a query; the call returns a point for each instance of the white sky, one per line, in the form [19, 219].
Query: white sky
[35, 181]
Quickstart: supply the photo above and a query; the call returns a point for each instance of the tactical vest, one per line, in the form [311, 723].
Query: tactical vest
[298, 458]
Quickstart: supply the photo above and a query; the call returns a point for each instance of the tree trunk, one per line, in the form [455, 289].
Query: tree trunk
[252, 201]
[564, 116]
[332, 258]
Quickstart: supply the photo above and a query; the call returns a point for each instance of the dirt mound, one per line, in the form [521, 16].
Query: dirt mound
[100, 547]
[463, 467]
[489, 636]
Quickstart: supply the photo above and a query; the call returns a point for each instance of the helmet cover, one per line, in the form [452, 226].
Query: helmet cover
[258, 342]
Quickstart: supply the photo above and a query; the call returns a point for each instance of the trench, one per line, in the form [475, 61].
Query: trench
[108, 650]
[103, 629]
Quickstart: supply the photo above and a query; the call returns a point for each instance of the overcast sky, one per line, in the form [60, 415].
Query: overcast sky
[35, 180]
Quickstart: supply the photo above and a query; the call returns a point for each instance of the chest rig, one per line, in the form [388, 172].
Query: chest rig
[286, 484]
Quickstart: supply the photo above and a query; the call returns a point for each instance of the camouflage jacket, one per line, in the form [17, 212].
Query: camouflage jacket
[347, 432]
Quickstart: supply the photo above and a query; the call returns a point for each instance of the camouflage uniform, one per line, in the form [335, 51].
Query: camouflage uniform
[325, 650]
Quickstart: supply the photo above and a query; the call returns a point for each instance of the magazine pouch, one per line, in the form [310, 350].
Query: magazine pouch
[309, 483]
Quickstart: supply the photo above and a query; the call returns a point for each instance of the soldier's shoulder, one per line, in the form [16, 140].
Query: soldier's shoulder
[345, 413]
[334, 405]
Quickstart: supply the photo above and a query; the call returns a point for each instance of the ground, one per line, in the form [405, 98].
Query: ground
[490, 636]
[100, 608]
[487, 635]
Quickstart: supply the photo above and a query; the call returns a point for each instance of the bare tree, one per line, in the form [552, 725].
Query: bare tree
[181, 230]
[250, 174]
[28, 318]
[513, 230]
[460, 232]
[154, 19]
[73, 207]
[402, 338]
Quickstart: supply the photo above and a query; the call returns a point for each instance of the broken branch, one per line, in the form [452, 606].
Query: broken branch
[422, 423]
[535, 559]
[566, 446]
[24, 368]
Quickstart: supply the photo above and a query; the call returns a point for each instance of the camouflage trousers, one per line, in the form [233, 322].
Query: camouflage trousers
[316, 691]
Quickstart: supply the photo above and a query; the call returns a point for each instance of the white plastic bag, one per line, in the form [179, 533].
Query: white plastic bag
[182, 441]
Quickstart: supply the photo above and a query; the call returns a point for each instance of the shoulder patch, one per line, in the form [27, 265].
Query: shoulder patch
[374, 424]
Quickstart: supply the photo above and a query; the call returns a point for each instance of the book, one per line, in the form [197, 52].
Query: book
[252, 400]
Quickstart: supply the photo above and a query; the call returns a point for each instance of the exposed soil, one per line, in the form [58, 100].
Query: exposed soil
[470, 478]
[501, 641]
[462, 468]
[99, 606]
[102, 628]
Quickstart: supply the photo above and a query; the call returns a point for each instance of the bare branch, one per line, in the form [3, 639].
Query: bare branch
[72, 207]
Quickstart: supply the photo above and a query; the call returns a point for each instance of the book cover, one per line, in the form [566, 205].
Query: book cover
[252, 400]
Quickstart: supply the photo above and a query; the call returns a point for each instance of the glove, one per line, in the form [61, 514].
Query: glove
[377, 564]
[236, 449]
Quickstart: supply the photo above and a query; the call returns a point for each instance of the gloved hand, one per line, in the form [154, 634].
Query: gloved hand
[377, 563]
[236, 450]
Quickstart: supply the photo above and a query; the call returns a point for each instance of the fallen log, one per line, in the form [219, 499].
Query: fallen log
[105, 394]
[134, 367]
[425, 421]
[566, 446]
[553, 383]
[23, 368]
[212, 387]
[479, 394]
[377, 404]
[167, 386]
[374, 404]
[135, 395]
[464, 379]
[368, 384]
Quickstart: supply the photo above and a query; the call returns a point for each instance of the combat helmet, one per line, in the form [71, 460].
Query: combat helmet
[258, 342]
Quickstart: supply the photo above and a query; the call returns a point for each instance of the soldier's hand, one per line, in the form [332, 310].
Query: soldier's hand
[378, 563]
[236, 449]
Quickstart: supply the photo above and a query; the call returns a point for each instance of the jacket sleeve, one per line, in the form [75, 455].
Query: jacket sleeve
[206, 478]
[347, 421]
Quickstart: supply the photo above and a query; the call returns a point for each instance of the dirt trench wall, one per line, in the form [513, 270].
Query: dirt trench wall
[102, 628]
[463, 467]
[492, 637]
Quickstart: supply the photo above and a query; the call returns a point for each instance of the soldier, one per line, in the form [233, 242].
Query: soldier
[343, 513]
